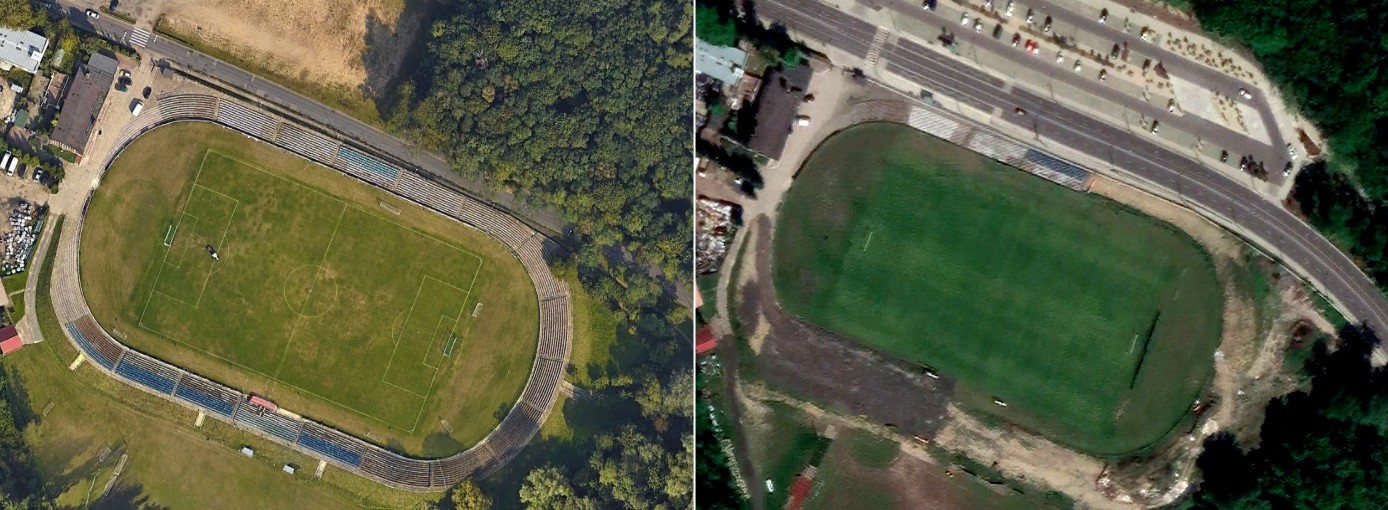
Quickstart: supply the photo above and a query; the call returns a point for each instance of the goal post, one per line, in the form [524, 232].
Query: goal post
[449, 344]
[169, 234]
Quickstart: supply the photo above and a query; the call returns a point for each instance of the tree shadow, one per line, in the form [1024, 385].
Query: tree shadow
[394, 54]
[17, 395]
[126, 497]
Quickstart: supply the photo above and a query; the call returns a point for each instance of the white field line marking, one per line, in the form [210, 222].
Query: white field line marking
[869, 241]
[299, 320]
[182, 210]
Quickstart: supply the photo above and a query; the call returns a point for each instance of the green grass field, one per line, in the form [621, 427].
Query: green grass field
[1021, 289]
[320, 298]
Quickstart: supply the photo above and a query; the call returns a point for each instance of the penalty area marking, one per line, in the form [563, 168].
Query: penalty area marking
[477, 309]
[1132, 344]
[169, 235]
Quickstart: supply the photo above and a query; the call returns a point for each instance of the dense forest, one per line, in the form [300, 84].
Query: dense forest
[582, 107]
[1327, 58]
[1322, 448]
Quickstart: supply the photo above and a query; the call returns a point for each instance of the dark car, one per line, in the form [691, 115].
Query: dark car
[928, 5]
[146, 92]
[997, 31]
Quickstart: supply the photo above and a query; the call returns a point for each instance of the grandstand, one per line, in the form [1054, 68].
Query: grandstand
[315, 439]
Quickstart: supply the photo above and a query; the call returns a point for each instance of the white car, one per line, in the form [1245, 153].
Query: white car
[978, 26]
[1245, 94]
[987, 5]
[1009, 8]
[1077, 65]
[1171, 106]
[964, 20]
[1059, 57]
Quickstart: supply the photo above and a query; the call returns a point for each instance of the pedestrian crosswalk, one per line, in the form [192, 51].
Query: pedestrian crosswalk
[875, 51]
[139, 37]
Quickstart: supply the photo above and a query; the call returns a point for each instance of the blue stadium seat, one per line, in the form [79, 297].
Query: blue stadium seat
[144, 376]
[322, 446]
[204, 400]
[368, 163]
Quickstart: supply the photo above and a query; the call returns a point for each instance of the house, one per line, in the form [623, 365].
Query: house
[22, 49]
[86, 94]
[777, 106]
[719, 62]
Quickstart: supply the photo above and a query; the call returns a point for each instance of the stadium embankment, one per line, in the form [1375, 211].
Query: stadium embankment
[301, 433]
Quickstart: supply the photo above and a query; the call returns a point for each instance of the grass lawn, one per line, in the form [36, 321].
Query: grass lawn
[1095, 323]
[782, 448]
[320, 298]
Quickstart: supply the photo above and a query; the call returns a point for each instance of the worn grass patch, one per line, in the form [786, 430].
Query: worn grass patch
[1095, 323]
[318, 298]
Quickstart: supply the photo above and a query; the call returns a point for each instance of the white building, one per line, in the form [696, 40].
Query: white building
[22, 49]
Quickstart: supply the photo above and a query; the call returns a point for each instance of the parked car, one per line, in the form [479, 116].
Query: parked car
[1154, 127]
[93, 14]
[1016, 39]
[997, 31]
[928, 5]
[964, 20]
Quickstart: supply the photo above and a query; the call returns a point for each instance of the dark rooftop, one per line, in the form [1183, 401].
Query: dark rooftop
[85, 96]
[782, 91]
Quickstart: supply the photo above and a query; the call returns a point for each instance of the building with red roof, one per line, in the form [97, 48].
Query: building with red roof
[9, 340]
[705, 340]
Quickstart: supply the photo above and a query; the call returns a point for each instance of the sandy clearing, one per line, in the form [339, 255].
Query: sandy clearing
[313, 40]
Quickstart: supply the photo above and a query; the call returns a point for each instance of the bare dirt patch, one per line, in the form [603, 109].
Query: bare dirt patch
[831, 370]
[345, 44]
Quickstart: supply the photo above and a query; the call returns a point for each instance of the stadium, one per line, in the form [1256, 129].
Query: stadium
[1057, 310]
[255, 289]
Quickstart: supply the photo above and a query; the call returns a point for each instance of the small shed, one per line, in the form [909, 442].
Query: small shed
[9, 340]
[247, 451]
[289, 468]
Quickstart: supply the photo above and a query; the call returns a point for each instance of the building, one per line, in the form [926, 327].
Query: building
[782, 92]
[86, 93]
[719, 62]
[9, 340]
[705, 341]
[22, 49]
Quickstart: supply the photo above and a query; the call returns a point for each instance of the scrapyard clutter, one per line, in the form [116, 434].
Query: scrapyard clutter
[26, 222]
[717, 222]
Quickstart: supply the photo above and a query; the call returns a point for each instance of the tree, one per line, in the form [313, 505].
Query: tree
[1326, 448]
[582, 107]
[546, 488]
[19, 14]
[468, 496]
[711, 27]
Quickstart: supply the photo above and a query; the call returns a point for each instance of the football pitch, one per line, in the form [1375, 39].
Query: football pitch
[1094, 323]
[311, 291]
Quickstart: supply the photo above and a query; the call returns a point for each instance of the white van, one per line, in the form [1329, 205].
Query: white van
[5, 161]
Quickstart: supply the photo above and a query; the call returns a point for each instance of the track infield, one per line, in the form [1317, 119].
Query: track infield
[1094, 323]
[320, 297]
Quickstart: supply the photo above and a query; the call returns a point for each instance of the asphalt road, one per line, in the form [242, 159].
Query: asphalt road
[1194, 72]
[1283, 233]
[184, 57]
[1204, 129]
